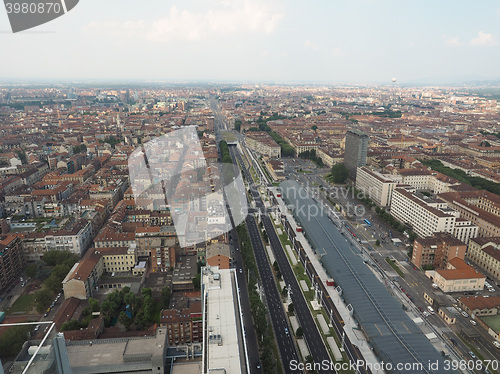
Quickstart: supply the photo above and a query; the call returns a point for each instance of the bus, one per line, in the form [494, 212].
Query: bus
[368, 222]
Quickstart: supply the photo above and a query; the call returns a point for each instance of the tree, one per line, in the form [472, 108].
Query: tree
[145, 292]
[60, 271]
[71, 325]
[291, 308]
[93, 305]
[125, 320]
[237, 125]
[42, 272]
[53, 258]
[284, 292]
[299, 333]
[140, 320]
[53, 283]
[197, 281]
[314, 127]
[165, 297]
[31, 269]
[276, 266]
[12, 340]
[43, 299]
[339, 173]
[377, 242]
[22, 156]
[264, 235]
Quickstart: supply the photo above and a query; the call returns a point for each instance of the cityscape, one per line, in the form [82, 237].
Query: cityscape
[249, 186]
[363, 232]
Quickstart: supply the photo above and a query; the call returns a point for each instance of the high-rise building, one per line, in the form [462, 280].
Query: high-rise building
[356, 148]
[12, 261]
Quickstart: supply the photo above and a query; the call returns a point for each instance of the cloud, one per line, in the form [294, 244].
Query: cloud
[225, 18]
[484, 39]
[336, 52]
[452, 41]
[313, 46]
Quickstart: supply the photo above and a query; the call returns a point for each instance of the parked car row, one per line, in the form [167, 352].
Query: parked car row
[53, 304]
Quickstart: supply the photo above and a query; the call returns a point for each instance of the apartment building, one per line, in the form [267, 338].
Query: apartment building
[480, 207]
[261, 142]
[329, 157]
[276, 169]
[437, 250]
[218, 254]
[457, 277]
[76, 239]
[423, 179]
[108, 238]
[424, 217]
[427, 216]
[376, 186]
[12, 261]
[157, 244]
[82, 280]
[118, 259]
[485, 251]
[183, 326]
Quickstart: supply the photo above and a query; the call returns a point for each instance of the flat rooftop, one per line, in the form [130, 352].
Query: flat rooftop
[222, 324]
[393, 335]
[116, 355]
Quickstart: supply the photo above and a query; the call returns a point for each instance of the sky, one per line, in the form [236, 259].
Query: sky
[328, 41]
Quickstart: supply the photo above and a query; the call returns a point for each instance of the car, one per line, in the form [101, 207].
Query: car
[426, 314]
[430, 309]
[474, 323]
[37, 328]
[491, 289]
[496, 344]
[241, 271]
[465, 314]
[472, 355]
[46, 314]
[420, 308]
[434, 285]
[286, 330]
[258, 365]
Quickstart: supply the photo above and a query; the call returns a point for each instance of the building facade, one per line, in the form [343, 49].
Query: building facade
[427, 216]
[486, 253]
[437, 250]
[457, 277]
[12, 261]
[375, 186]
[356, 150]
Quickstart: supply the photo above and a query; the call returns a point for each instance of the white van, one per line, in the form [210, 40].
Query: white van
[431, 311]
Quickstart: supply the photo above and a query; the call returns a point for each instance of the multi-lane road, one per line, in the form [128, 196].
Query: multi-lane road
[312, 335]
